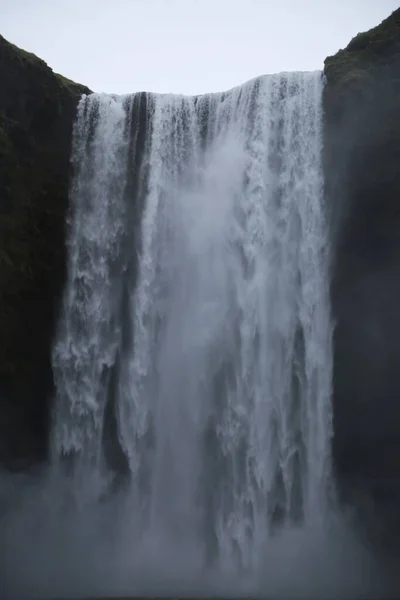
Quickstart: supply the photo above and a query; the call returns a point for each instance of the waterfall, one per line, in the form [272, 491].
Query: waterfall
[196, 314]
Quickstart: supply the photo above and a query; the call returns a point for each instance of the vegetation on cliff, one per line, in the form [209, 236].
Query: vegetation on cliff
[354, 68]
[366, 50]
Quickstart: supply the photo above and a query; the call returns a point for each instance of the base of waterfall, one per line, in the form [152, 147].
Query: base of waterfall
[57, 548]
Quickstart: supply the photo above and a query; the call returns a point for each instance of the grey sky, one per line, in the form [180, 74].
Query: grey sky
[184, 46]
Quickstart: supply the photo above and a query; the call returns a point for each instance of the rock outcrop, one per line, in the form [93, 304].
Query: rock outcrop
[362, 163]
[37, 109]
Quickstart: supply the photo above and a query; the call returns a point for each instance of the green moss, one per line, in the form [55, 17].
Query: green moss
[355, 64]
[65, 80]
[384, 35]
[349, 76]
[34, 61]
[71, 85]
[342, 68]
[28, 57]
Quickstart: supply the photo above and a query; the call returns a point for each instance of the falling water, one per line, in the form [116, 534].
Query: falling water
[196, 315]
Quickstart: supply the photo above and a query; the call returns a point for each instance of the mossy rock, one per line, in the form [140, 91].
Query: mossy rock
[365, 53]
[71, 85]
[384, 36]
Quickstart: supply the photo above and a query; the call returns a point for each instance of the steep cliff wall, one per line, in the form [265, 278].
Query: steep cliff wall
[37, 109]
[362, 154]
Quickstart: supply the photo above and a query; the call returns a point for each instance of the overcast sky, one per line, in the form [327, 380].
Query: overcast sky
[184, 46]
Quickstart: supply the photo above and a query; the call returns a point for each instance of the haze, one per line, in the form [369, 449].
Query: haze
[183, 46]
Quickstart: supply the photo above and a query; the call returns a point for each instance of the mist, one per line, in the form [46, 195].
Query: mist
[53, 546]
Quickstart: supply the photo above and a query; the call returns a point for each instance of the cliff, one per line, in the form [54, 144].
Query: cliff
[362, 167]
[37, 109]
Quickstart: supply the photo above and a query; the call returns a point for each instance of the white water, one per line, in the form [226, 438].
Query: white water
[217, 353]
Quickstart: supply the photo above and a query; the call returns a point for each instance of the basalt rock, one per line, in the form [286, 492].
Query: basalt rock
[362, 173]
[37, 110]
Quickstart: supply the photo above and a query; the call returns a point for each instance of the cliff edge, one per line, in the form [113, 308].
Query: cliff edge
[37, 110]
[362, 175]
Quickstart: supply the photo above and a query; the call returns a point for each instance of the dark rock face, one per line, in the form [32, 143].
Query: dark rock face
[37, 110]
[362, 161]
